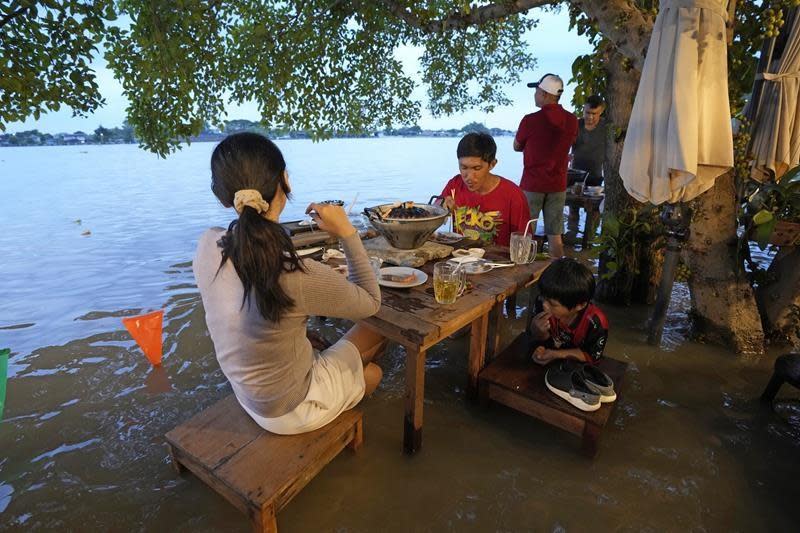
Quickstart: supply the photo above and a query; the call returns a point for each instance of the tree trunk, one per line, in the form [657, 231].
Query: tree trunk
[723, 303]
[625, 286]
[779, 300]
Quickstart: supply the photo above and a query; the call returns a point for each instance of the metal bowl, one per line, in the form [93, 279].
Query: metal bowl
[407, 233]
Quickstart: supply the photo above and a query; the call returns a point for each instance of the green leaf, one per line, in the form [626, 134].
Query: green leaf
[611, 224]
[763, 232]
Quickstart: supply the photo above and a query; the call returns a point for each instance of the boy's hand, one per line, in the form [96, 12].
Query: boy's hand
[540, 325]
[449, 203]
[543, 356]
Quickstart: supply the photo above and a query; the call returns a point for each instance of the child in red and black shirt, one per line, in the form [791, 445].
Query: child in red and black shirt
[565, 323]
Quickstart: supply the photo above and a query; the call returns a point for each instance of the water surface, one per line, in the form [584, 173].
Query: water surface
[81, 444]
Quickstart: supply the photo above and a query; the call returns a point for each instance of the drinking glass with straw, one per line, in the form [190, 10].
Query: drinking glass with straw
[522, 247]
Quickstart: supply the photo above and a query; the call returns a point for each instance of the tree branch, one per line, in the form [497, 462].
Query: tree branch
[620, 21]
[14, 14]
[458, 20]
[623, 24]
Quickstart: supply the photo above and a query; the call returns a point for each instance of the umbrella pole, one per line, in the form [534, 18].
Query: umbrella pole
[675, 218]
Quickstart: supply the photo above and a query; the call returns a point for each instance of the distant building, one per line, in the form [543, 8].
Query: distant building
[72, 138]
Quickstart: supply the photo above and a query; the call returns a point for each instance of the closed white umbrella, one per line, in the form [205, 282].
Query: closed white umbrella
[679, 136]
[776, 136]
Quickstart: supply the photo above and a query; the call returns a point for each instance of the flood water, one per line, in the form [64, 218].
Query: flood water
[81, 442]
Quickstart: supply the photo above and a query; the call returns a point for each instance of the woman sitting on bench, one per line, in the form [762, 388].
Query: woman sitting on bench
[258, 294]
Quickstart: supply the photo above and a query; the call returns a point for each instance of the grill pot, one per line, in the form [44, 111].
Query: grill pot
[407, 233]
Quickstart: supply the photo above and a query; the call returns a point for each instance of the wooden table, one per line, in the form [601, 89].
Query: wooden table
[591, 205]
[413, 318]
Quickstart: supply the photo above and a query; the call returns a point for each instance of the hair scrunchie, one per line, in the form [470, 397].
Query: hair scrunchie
[250, 198]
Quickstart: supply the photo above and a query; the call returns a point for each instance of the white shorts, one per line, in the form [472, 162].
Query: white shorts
[337, 384]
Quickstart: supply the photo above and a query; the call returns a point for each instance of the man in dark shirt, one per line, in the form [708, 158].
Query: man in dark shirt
[544, 138]
[589, 150]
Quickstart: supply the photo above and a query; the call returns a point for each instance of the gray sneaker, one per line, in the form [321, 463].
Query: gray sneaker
[599, 382]
[571, 387]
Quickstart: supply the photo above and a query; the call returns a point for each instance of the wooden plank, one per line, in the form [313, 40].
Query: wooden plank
[477, 353]
[209, 478]
[414, 400]
[550, 415]
[214, 435]
[271, 469]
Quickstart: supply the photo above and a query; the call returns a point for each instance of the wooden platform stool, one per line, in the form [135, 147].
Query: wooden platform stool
[515, 381]
[257, 471]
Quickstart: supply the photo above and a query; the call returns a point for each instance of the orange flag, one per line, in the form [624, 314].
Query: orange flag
[146, 331]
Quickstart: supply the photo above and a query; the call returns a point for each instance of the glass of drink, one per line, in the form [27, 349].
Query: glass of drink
[522, 248]
[449, 280]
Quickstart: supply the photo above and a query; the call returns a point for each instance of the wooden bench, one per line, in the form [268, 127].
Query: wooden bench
[257, 471]
[512, 379]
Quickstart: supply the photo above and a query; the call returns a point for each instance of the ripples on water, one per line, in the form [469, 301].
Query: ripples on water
[81, 445]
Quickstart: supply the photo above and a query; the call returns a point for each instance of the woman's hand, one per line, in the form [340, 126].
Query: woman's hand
[331, 218]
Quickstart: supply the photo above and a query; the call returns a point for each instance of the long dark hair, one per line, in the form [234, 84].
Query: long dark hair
[259, 249]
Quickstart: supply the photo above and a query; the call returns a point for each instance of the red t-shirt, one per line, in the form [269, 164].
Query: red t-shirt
[546, 137]
[489, 217]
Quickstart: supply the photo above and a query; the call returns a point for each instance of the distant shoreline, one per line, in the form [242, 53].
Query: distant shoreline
[125, 134]
[217, 138]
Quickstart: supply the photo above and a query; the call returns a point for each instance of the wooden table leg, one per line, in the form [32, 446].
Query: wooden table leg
[264, 521]
[592, 221]
[493, 335]
[590, 438]
[477, 352]
[415, 395]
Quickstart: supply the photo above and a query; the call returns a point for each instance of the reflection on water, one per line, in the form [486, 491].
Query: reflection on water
[82, 440]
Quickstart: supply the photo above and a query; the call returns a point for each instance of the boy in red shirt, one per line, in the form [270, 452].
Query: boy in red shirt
[566, 324]
[484, 206]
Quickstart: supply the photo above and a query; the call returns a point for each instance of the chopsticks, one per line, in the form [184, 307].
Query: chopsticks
[352, 205]
[452, 214]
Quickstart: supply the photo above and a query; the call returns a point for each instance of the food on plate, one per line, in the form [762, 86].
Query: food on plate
[399, 278]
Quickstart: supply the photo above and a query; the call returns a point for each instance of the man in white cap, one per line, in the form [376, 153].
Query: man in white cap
[544, 138]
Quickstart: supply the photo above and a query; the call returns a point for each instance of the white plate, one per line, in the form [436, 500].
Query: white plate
[447, 237]
[308, 251]
[474, 252]
[477, 267]
[307, 222]
[462, 259]
[421, 277]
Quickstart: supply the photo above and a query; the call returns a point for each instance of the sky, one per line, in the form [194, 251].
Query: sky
[551, 42]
